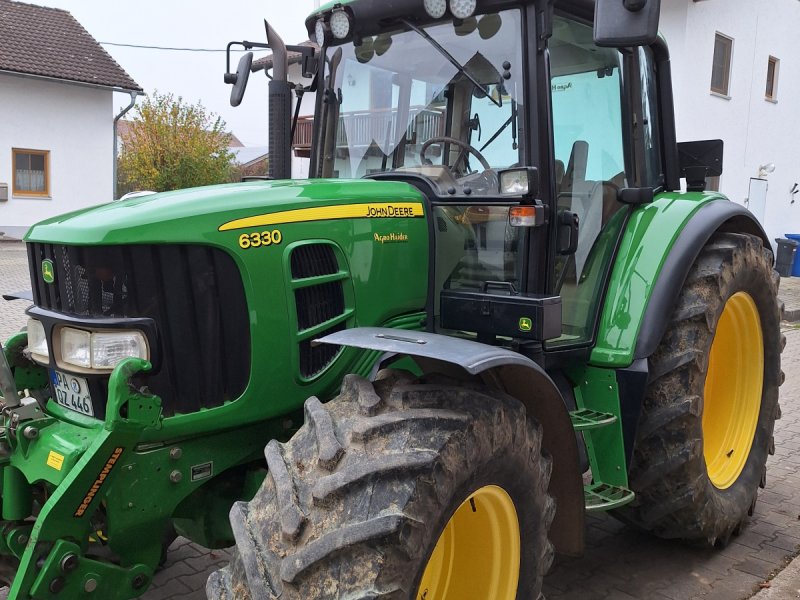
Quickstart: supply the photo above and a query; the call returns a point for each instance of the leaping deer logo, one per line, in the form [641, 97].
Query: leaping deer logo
[48, 274]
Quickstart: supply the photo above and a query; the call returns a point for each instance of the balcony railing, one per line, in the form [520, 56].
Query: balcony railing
[303, 132]
[361, 128]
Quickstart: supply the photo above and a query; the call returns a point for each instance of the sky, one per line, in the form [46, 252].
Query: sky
[196, 76]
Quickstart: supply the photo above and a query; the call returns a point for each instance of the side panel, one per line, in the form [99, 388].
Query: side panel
[646, 272]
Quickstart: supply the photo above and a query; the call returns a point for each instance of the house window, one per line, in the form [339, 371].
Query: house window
[31, 172]
[721, 67]
[772, 78]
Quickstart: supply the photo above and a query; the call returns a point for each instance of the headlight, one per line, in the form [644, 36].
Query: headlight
[520, 181]
[76, 347]
[435, 8]
[514, 182]
[37, 341]
[108, 349]
[322, 33]
[463, 9]
[340, 24]
[101, 350]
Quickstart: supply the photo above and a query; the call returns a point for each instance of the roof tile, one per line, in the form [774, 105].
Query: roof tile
[36, 40]
[265, 62]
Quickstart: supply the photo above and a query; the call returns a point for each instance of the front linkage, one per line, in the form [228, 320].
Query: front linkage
[55, 478]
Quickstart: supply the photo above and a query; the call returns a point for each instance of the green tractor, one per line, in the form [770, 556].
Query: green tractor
[489, 310]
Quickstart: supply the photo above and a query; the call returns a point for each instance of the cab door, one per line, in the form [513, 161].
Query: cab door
[605, 138]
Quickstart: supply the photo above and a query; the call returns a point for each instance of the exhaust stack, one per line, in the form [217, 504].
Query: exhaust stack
[280, 108]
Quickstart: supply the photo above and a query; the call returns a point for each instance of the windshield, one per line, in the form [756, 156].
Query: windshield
[451, 113]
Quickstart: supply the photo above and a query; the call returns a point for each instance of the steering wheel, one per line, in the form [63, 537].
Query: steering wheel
[465, 150]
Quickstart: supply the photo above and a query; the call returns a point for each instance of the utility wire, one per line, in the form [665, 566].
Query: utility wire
[172, 49]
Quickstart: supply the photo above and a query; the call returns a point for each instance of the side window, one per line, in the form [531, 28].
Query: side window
[31, 172]
[589, 137]
[771, 93]
[587, 112]
[721, 65]
[652, 171]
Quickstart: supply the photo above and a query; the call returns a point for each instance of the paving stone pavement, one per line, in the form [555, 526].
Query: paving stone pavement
[619, 563]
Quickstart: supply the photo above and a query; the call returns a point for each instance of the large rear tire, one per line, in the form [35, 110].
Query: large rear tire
[709, 411]
[398, 491]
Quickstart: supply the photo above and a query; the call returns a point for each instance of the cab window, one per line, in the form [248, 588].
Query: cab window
[587, 90]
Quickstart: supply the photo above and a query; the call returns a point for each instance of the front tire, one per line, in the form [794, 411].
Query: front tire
[709, 411]
[402, 490]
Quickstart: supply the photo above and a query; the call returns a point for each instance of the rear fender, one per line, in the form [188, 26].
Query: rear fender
[517, 376]
[659, 246]
[713, 217]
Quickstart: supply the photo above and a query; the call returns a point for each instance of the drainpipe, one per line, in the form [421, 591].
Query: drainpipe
[133, 94]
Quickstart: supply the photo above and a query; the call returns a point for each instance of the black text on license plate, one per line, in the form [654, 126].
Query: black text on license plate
[72, 392]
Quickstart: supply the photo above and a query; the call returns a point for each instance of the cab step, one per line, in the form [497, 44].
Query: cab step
[601, 496]
[585, 418]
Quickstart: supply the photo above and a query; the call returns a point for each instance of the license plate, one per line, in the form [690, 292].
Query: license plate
[72, 392]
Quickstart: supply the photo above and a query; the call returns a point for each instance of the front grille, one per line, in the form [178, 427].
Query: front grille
[317, 303]
[313, 260]
[313, 359]
[193, 293]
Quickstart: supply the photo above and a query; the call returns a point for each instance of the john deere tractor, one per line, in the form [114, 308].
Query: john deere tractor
[489, 310]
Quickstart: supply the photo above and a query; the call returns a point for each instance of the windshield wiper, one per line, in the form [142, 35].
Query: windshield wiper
[452, 60]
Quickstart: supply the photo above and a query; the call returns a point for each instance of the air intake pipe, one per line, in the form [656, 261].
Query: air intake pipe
[280, 109]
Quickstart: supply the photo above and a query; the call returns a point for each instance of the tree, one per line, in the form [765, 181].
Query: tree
[171, 144]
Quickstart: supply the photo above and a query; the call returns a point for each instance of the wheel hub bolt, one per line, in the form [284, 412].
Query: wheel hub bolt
[69, 563]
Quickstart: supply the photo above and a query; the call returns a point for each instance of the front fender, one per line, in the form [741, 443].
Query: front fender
[515, 375]
[658, 248]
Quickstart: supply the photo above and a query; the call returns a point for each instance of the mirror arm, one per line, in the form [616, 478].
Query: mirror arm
[228, 60]
[229, 79]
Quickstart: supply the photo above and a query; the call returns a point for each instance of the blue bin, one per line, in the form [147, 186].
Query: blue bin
[796, 264]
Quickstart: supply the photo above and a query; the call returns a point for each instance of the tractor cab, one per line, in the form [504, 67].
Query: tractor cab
[526, 130]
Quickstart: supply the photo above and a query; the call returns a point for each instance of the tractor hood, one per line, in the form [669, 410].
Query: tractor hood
[197, 215]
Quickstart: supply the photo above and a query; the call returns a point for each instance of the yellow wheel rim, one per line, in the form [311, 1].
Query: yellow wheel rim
[732, 396]
[478, 553]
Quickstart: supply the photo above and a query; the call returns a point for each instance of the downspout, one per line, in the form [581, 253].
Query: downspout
[133, 94]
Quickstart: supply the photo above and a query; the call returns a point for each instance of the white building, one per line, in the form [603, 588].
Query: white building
[56, 116]
[736, 75]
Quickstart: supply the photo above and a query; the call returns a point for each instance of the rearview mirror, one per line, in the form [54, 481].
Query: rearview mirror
[239, 79]
[699, 160]
[621, 23]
